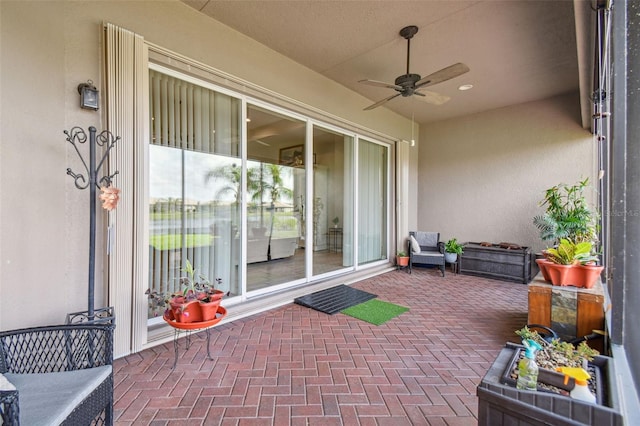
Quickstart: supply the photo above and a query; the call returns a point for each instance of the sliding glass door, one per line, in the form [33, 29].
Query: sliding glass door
[372, 201]
[332, 200]
[294, 190]
[194, 185]
[275, 214]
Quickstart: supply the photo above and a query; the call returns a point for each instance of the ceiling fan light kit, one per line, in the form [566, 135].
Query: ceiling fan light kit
[408, 84]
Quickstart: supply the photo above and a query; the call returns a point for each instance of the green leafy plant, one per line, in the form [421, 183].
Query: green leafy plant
[452, 246]
[569, 253]
[401, 253]
[558, 353]
[567, 214]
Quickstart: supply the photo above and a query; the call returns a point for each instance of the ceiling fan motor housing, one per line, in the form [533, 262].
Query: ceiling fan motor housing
[408, 82]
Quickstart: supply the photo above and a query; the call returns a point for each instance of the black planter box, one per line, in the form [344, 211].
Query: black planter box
[496, 262]
[500, 403]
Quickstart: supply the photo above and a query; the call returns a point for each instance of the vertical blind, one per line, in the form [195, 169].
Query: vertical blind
[194, 139]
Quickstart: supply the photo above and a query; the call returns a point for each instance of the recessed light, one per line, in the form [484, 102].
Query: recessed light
[465, 87]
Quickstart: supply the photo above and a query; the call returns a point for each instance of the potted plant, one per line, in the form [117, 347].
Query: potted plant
[335, 221]
[452, 249]
[498, 397]
[402, 259]
[570, 263]
[567, 214]
[198, 300]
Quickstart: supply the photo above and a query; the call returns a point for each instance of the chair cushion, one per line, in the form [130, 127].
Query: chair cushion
[49, 398]
[427, 239]
[415, 247]
[6, 385]
[429, 256]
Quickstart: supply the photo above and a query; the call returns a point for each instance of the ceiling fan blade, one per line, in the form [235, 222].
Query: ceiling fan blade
[377, 104]
[380, 84]
[432, 97]
[444, 74]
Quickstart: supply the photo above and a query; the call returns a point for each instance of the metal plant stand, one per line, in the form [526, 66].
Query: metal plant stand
[192, 328]
[89, 179]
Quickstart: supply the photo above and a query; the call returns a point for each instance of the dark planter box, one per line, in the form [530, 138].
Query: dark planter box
[496, 262]
[500, 403]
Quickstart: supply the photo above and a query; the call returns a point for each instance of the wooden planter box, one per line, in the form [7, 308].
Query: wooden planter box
[570, 311]
[502, 404]
[497, 263]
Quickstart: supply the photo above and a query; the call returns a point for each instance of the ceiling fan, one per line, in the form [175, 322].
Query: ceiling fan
[410, 84]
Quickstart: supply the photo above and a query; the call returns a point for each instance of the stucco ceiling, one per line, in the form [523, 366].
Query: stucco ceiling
[518, 50]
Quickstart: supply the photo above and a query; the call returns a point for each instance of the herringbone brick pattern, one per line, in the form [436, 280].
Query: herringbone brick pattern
[297, 366]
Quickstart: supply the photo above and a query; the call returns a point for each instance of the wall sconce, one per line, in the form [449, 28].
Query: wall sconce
[89, 98]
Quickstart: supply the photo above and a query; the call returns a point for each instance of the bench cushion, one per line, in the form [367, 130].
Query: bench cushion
[49, 398]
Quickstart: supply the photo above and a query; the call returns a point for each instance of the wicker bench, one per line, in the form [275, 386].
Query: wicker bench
[57, 375]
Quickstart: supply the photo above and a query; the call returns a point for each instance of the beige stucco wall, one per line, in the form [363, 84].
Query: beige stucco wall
[481, 176]
[46, 49]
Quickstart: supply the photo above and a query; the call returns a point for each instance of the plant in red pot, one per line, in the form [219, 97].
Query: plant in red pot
[571, 263]
[199, 300]
[209, 298]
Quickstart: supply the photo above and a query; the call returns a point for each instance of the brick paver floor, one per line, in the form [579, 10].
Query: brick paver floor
[296, 366]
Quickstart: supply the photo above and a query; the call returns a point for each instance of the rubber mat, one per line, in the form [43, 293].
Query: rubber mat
[333, 300]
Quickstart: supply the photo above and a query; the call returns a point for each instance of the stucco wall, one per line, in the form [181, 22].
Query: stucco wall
[481, 176]
[46, 49]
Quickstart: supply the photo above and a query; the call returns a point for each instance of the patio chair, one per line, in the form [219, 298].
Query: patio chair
[425, 248]
[57, 375]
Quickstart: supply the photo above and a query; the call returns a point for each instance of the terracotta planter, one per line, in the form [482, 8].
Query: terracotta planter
[402, 261]
[542, 264]
[587, 275]
[185, 311]
[209, 308]
[581, 276]
[560, 274]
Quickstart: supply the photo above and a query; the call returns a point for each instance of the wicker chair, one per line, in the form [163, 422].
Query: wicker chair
[57, 375]
[427, 249]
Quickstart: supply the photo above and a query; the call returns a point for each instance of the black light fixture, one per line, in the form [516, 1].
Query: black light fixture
[89, 98]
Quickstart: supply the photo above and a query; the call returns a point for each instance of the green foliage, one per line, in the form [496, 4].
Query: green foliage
[568, 252]
[568, 352]
[567, 214]
[452, 246]
[401, 253]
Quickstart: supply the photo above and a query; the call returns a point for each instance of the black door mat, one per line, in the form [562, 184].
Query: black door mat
[333, 300]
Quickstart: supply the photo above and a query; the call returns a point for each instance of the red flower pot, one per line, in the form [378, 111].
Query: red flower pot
[209, 305]
[587, 275]
[185, 311]
[581, 276]
[542, 264]
[402, 260]
[560, 274]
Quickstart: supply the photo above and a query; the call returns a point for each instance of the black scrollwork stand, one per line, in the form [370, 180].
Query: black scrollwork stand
[105, 139]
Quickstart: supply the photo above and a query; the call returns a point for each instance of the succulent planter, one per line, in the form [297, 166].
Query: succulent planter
[582, 276]
[500, 403]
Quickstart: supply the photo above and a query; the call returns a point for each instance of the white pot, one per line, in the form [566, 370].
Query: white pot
[450, 257]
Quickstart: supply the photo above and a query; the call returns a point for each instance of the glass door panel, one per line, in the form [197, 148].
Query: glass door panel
[372, 202]
[332, 201]
[194, 186]
[275, 208]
